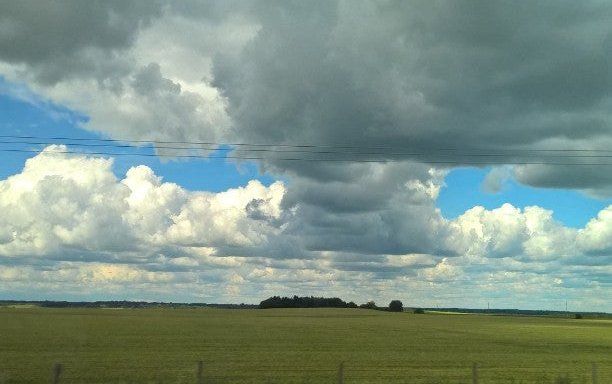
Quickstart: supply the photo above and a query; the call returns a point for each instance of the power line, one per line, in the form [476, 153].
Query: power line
[347, 160]
[242, 144]
[321, 153]
[224, 147]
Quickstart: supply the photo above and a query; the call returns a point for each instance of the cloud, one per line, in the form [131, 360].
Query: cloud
[443, 271]
[64, 201]
[496, 180]
[56, 201]
[421, 87]
[424, 78]
[108, 71]
[389, 209]
[68, 38]
[509, 232]
[596, 236]
[591, 180]
[223, 220]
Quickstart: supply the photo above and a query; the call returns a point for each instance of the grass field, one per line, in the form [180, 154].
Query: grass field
[297, 346]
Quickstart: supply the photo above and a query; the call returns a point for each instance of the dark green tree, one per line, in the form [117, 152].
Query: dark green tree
[396, 306]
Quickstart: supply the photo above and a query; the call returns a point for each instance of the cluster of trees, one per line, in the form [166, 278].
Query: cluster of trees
[394, 306]
[324, 302]
[305, 302]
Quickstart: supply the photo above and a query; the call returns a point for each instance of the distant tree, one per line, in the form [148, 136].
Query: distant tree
[419, 311]
[396, 306]
[369, 305]
[578, 316]
[352, 305]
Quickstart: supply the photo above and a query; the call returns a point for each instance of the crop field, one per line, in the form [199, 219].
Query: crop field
[297, 346]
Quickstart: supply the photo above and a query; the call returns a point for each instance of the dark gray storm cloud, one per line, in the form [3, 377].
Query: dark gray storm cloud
[424, 76]
[68, 38]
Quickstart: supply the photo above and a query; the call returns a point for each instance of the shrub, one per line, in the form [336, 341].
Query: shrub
[419, 311]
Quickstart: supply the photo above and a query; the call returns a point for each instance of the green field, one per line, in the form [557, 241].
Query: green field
[297, 346]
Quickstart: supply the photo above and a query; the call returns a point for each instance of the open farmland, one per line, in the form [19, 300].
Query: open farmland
[297, 346]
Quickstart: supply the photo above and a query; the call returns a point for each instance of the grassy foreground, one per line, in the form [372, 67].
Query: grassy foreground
[297, 346]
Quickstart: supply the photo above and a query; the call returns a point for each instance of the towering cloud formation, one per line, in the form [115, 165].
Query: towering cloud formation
[71, 201]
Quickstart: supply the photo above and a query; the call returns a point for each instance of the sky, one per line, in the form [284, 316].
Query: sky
[443, 153]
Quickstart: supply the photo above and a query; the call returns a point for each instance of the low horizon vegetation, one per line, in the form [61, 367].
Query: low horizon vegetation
[313, 302]
[324, 302]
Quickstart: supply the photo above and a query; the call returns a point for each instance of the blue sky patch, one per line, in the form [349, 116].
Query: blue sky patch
[464, 190]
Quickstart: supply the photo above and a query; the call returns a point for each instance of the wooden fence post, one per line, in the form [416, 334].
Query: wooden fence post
[594, 373]
[57, 371]
[200, 374]
[475, 373]
[341, 373]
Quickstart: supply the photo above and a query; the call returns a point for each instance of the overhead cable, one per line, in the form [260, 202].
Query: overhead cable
[310, 152]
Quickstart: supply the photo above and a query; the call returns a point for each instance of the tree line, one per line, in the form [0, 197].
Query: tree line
[305, 302]
[324, 302]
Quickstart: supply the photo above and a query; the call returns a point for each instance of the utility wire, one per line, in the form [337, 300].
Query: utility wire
[113, 142]
[249, 151]
[273, 150]
[306, 159]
